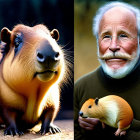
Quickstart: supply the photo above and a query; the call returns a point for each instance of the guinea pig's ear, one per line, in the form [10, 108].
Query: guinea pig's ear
[55, 34]
[5, 35]
[96, 101]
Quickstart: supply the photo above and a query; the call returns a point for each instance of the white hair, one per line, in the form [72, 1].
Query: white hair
[105, 8]
[122, 72]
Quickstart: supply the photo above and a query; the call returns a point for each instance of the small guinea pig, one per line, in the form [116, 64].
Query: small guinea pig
[32, 66]
[111, 110]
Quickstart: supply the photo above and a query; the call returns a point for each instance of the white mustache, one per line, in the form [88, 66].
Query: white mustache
[118, 55]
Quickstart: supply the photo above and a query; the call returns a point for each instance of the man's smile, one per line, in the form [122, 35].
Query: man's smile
[116, 63]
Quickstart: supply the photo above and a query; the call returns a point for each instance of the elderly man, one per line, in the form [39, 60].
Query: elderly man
[117, 29]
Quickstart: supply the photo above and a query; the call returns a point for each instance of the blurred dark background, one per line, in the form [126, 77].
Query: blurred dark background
[85, 49]
[57, 14]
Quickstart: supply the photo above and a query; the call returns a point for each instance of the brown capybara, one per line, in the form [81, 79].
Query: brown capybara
[32, 67]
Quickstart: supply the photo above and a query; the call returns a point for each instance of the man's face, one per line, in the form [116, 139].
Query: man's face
[117, 39]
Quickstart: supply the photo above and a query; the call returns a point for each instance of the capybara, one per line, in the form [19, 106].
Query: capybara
[32, 66]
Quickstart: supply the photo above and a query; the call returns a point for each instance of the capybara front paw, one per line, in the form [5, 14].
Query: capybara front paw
[12, 131]
[52, 129]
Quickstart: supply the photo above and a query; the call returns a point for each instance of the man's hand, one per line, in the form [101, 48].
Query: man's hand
[88, 123]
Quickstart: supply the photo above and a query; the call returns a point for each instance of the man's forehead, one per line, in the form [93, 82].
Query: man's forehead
[118, 17]
[118, 11]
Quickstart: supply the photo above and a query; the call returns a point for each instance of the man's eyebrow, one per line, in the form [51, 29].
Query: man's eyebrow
[104, 33]
[109, 32]
[124, 31]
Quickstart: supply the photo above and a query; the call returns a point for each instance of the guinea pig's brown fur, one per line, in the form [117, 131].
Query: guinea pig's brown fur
[111, 110]
[31, 70]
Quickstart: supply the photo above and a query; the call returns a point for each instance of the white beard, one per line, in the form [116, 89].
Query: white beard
[121, 72]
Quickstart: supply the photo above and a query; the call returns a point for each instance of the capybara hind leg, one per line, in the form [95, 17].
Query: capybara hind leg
[11, 127]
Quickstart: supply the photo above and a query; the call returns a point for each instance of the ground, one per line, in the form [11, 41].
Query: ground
[66, 134]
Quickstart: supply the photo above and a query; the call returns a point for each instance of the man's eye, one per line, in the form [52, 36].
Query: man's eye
[107, 36]
[122, 35]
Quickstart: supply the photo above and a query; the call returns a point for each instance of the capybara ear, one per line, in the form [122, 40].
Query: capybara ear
[5, 35]
[55, 34]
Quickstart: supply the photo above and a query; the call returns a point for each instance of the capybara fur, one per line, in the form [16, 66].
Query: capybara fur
[32, 66]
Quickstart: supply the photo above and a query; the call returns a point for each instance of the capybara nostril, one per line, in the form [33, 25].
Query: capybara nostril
[40, 57]
[57, 56]
[81, 113]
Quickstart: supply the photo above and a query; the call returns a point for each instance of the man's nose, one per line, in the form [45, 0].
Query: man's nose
[114, 46]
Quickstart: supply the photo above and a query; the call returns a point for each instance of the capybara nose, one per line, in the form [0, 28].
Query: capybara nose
[81, 113]
[45, 53]
[42, 57]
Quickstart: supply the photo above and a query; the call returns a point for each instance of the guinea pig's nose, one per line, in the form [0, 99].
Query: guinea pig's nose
[81, 113]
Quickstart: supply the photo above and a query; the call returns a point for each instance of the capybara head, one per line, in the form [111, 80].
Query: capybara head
[90, 108]
[33, 54]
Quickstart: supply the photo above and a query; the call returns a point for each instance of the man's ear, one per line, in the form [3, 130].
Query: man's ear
[55, 34]
[96, 101]
[5, 35]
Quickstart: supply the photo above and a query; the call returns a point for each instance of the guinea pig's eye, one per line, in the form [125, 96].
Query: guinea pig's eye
[18, 40]
[89, 106]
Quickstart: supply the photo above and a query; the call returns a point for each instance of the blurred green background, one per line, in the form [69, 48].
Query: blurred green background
[85, 50]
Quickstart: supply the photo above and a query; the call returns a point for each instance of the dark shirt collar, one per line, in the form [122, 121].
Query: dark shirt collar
[120, 84]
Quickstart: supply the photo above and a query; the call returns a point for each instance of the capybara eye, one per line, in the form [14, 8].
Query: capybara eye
[18, 40]
[89, 106]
